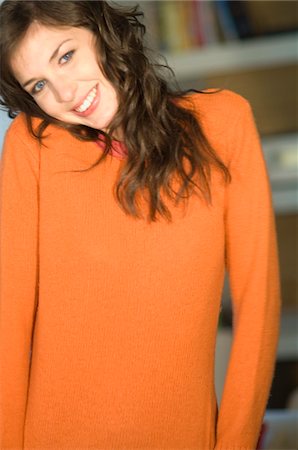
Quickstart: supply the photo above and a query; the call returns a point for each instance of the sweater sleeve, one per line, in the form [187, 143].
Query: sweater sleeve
[253, 270]
[18, 281]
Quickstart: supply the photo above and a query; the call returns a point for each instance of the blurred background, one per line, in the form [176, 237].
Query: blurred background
[250, 47]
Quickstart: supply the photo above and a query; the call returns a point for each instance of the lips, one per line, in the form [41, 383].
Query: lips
[89, 101]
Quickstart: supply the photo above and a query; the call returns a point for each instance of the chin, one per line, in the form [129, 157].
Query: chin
[98, 125]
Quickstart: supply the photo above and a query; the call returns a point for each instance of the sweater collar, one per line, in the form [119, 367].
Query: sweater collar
[118, 149]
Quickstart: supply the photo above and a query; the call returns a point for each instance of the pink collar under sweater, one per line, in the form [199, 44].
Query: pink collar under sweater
[118, 149]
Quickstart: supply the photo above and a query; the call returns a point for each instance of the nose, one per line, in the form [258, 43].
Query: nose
[64, 89]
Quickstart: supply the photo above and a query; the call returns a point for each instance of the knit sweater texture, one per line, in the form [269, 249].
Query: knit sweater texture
[109, 323]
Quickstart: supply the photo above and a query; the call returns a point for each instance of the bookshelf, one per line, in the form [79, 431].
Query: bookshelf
[250, 47]
[199, 38]
[255, 53]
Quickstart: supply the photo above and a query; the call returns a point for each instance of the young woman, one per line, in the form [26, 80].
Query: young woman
[123, 203]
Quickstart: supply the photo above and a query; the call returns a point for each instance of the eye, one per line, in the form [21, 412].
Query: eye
[38, 87]
[63, 60]
[67, 57]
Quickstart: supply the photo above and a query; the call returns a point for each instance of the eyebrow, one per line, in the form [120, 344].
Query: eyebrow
[50, 60]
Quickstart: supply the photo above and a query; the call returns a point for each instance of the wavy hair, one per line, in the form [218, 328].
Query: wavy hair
[163, 137]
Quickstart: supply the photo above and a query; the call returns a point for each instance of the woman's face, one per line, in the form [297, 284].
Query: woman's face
[59, 68]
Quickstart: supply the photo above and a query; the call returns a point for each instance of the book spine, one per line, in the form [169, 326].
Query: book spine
[183, 11]
[208, 22]
[198, 19]
[226, 20]
[240, 14]
[169, 26]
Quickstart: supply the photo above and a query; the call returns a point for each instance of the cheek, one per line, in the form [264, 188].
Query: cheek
[86, 68]
[49, 106]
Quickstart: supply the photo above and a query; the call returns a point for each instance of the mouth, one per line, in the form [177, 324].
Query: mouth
[88, 104]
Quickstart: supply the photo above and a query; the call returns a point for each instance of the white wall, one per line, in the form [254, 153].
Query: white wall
[4, 122]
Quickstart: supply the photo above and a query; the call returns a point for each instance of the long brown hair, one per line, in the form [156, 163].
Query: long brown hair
[161, 135]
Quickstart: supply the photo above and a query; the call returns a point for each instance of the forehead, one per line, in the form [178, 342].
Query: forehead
[40, 41]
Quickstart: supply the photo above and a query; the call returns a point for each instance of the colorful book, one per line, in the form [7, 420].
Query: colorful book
[205, 20]
[169, 22]
[240, 14]
[226, 20]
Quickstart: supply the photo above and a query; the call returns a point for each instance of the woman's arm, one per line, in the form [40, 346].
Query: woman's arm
[253, 268]
[18, 279]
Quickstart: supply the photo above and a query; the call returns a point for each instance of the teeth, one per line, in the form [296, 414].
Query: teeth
[87, 102]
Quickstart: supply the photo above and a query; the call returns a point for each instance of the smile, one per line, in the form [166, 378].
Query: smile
[87, 102]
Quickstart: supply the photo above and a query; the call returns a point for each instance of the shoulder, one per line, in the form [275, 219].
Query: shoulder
[56, 141]
[213, 104]
[223, 115]
[18, 141]
[18, 132]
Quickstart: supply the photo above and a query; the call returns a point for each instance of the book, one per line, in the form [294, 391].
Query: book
[208, 22]
[242, 20]
[226, 20]
[170, 39]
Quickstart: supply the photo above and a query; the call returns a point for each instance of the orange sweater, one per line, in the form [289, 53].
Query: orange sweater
[122, 315]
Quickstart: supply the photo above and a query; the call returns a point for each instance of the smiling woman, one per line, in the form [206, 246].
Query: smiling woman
[65, 79]
[133, 104]
[122, 204]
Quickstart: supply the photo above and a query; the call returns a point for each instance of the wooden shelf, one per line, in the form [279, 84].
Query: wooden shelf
[258, 52]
